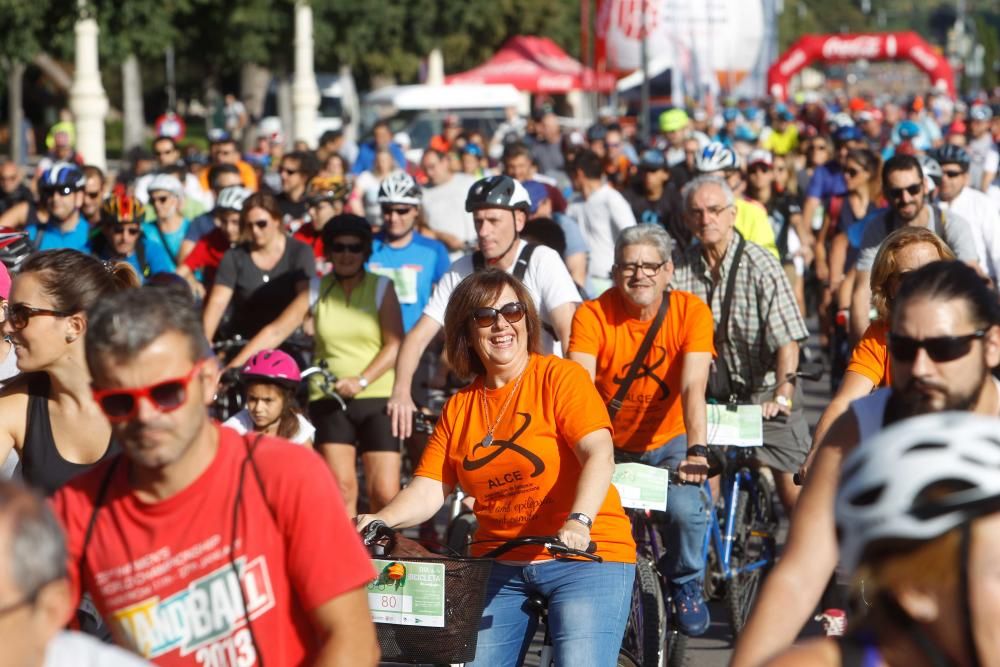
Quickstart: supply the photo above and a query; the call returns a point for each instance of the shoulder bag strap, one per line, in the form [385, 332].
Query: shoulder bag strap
[478, 261]
[102, 491]
[615, 404]
[722, 332]
[521, 265]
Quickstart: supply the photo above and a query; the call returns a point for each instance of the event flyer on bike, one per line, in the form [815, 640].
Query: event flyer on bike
[641, 486]
[739, 427]
[415, 598]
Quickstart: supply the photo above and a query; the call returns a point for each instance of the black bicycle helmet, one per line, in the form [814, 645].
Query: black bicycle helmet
[949, 154]
[498, 192]
[348, 224]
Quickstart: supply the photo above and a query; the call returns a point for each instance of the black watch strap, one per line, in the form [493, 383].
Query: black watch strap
[580, 517]
[698, 450]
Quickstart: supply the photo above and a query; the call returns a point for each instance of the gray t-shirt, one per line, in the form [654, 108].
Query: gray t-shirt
[953, 230]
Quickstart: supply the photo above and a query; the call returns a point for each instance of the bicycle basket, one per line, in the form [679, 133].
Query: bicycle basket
[464, 600]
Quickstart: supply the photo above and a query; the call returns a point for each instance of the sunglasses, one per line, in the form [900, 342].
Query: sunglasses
[487, 317]
[285, 170]
[64, 190]
[952, 174]
[18, 314]
[942, 348]
[912, 190]
[160, 200]
[353, 248]
[398, 210]
[92, 195]
[852, 172]
[259, 224]
[129, 230]
[121, 405]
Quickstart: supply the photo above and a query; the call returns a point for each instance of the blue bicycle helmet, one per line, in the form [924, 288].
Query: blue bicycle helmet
[949, 154]
[847, 133]
[908, 130]
[62, 175]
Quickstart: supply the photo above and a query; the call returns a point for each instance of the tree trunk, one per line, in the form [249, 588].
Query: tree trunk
[53, 70]
[15, 110]
[284, 97]
[133, 118]
[254, 80]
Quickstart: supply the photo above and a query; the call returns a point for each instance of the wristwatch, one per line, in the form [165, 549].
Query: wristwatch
[783, 402]
[362, 381]
[698, 450]
[580, 517]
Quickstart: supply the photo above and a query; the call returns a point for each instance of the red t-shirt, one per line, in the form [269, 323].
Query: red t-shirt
[161, 573]
[207, 254]
[308, 235]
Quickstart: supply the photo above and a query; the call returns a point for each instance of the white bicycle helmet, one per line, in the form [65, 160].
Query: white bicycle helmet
[399, 188]
[717, 157]
[232, 198]
[498, 192]
[885, 481]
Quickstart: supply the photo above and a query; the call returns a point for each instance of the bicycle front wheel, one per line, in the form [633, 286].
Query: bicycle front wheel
[647, 617]
[754, 540]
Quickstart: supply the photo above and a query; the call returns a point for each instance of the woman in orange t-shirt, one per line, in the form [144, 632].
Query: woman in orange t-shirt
[904, 250]
[530, 439]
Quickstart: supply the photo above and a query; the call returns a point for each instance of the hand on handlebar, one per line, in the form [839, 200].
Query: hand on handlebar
[693, 470]
[770, 410]
[361, 521]
[401, 409]
[348, 387]
[575, 535]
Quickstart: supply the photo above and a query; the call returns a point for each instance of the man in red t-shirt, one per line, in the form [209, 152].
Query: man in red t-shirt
[209, 249]
[200, 547]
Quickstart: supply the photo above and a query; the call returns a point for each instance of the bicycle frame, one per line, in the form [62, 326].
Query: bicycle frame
[722, 538]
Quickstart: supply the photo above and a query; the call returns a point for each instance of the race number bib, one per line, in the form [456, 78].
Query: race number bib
[404, 279]
[407, 593]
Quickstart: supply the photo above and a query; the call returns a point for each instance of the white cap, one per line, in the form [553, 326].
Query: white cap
[166, 183]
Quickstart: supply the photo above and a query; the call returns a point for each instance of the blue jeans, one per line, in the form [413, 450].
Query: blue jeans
[588, 607]
[686, 518]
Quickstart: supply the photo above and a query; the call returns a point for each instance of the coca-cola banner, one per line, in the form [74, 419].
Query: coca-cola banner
[866, 46]
[703, 38]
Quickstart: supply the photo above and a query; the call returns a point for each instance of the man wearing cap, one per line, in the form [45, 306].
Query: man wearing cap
[602, 213]
[956, 196]
[654, 198]
[674, 124]
[444, 204]
[168, 229]
[781, 138]
[576, 251]
[985, 159]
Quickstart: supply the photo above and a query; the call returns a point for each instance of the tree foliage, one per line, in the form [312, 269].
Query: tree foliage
[23, 22]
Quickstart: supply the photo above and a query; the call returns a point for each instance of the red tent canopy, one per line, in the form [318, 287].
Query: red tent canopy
[535, 65]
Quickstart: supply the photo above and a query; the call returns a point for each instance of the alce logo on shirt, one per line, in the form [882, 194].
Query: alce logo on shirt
[206, 617]
[646, 371]
[501, 446]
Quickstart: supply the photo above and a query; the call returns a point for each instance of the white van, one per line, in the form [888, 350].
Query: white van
[420, 110]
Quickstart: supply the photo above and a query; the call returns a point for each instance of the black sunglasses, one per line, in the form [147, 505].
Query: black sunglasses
[487, 317]
[912, 190]
[852, 172]
[259, 224]
[19, 314]
[952, 174]
[64, 190]
[941, 348]
[130, 230]
[398, 210]
[353, 248]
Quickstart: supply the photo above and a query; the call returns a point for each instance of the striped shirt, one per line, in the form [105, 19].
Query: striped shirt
[764, 315]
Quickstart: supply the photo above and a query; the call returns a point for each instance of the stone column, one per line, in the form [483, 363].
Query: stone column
[87, 100]
[305, 94]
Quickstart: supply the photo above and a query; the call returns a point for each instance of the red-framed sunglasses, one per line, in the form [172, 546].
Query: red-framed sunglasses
[121, 405]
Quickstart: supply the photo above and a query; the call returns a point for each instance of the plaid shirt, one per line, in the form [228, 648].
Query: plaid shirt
[764, 315]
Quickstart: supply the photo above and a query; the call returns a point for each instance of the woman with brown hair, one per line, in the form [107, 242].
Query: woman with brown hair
[530, 439]
[48, 415]
[919, 528]
[904, 250]
[261, 275]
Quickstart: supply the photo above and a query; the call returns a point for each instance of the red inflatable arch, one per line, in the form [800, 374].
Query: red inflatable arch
[870, 46]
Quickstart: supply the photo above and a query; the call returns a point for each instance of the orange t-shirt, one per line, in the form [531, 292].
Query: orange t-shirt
[526, 481]
[871, 355]
[651, 413]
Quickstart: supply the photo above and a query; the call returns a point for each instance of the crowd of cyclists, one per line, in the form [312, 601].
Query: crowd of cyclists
[579, 297]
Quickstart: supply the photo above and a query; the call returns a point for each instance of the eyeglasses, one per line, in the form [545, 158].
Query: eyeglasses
[259, 224]
[852, 172]
[941, 348]
[487, 317]
[648, 270]
[96, 194]
[398, 210]
[130, 230]
[161, 200]
[18, 314]
[353, 248]
[121, 405]
[286, 170]
[912, 190]
[713, 212]
[952, 174]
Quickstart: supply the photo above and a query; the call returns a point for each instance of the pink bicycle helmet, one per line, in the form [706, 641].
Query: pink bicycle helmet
[273, 366]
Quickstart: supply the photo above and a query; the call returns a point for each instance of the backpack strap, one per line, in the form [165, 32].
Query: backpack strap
[521, 265]
[140, 255]
[478, 261]
[615, 404]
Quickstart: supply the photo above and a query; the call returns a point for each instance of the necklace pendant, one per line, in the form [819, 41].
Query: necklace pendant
[488, 440]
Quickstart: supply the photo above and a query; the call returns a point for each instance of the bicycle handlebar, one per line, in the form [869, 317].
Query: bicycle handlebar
[552, 544]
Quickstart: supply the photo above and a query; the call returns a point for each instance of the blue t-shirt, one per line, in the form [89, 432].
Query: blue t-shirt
[157, 260]
[414, 270]
[54, 238]
[827, 181]
[169, 241]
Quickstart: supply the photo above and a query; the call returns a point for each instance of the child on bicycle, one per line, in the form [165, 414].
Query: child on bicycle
[272, 378]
